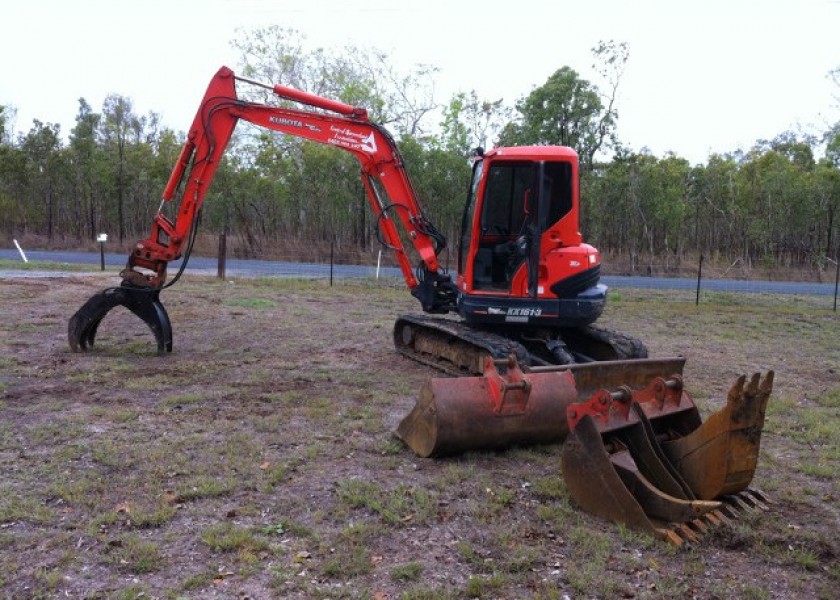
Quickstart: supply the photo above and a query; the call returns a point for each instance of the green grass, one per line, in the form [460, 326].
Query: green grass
[41, 265]
[259, 456]
[132, 554]
[399, 506]
[256, 303]
[408, 572]
[16, 508]
[228, 537]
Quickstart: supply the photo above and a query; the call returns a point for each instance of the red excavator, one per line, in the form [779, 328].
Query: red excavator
[530, 365]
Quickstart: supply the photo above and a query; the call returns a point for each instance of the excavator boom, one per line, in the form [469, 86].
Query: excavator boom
[388, 187]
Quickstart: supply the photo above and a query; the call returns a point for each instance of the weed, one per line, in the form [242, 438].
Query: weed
[256, 303]
[110, 454]
[133, 592]
[48, 579]
[182, 400]
[407, 572]
[85, 489]
[204, 486]
[636, 538]
[228, 537]
[550, 487]
[399, 506]
[423, 593]
[134, 555]
[274, 475]
[484, 587]
[16, 508]
[390, 447]
[830, 399]
[198, 580]
[158, 516]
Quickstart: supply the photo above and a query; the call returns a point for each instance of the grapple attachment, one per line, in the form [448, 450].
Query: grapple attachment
[143, 302]
[636, 450]
[643, 457]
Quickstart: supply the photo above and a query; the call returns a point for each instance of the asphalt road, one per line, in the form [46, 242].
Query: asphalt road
[263, 268]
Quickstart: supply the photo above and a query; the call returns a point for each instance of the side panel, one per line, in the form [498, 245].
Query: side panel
[577, 310]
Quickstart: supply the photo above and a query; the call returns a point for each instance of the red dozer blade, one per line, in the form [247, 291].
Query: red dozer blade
[635, 451]
[143, 302]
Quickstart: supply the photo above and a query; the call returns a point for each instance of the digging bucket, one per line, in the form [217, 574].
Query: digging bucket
[503, 408]
[507, 407]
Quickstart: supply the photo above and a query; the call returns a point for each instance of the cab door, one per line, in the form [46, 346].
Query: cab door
[505, 215]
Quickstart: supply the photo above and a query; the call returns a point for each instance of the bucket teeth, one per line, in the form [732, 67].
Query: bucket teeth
[83, 326]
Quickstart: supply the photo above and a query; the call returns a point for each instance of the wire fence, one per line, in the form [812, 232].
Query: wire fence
[703, 280]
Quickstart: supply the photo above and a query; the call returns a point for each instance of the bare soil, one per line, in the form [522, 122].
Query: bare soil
[258, 461]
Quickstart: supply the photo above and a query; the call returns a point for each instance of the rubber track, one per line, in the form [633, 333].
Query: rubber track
[448, 330]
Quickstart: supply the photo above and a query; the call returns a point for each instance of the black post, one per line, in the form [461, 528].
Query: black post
[332, 251]
[836, 277]
[101, 256]
[222, 264]
[699, 276]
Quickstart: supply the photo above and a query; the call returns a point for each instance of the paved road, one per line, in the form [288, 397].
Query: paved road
[257, 268]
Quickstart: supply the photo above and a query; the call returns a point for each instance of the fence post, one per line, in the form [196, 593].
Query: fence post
[699, 276]
[332, 251]
[222, 264]
[836, 278]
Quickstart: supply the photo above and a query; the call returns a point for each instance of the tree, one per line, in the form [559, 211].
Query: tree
[358, 76]
[567, 111]
[117, 124]
[84, 152]
[41, 147]
[469, 123]
[7, 117]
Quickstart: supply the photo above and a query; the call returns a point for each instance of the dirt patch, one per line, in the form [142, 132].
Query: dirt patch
[257, 459]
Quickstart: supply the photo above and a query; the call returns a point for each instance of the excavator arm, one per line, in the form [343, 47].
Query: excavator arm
[387, 186]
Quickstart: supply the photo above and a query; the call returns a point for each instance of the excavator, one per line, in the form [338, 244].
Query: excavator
[513, 329]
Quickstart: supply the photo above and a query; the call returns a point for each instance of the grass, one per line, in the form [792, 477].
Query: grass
[42, 265]
[229, 537]
[409, 572]
[132, 554]
[401, 505]
[259, 456]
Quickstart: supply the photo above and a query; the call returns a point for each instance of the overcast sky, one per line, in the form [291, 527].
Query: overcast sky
[703, 76]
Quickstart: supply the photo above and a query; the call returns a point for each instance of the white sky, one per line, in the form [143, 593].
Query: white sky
[703, 76]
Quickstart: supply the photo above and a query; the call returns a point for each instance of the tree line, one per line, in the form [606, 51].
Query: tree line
[776, 203]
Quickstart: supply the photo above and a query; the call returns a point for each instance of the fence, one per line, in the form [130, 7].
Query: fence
[700, 279]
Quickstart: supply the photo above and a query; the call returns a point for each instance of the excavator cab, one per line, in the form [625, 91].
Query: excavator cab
[521, 258]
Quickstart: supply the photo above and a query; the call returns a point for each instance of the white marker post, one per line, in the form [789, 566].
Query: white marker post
[22, 255]
[102, 238]
[378, 262]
